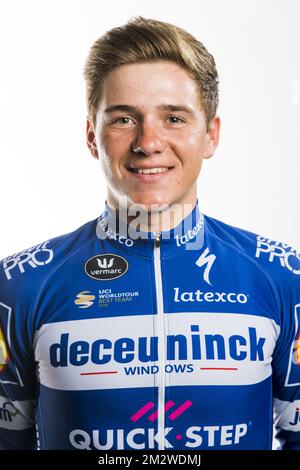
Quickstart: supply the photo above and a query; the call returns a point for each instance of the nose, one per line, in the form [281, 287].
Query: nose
[149, 139]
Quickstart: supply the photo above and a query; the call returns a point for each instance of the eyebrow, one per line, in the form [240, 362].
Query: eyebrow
[135, 109]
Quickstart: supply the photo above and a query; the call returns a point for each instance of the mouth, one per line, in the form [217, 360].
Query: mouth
[150, 175]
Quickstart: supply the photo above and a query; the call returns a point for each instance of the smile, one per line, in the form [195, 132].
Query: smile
[146, 171]
[150, 175]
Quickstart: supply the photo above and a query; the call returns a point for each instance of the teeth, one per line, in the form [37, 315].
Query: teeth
[150, 170]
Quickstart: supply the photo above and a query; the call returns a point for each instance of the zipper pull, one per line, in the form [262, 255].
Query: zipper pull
[157, 238]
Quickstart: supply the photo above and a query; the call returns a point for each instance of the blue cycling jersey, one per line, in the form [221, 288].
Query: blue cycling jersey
[111, 338]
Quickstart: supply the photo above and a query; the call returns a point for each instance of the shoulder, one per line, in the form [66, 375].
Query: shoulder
[279, 261]
[23, 272]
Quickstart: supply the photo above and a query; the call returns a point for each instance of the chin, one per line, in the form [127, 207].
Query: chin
[149, 201]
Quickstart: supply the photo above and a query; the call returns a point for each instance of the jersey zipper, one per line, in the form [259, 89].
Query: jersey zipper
[161, 342]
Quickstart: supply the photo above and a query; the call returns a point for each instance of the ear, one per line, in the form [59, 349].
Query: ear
[91, 138]
[212, 137]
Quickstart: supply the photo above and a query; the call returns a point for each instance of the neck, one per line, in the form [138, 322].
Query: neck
[160, 218]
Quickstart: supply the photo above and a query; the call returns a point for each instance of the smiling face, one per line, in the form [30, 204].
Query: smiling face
[155, 109]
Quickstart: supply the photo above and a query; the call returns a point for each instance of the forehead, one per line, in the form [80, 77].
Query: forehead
[147, 83]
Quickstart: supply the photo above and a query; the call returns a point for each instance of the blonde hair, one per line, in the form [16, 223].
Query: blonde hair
[145, 40]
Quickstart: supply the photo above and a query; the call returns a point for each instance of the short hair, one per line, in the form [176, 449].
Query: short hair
[148, 40]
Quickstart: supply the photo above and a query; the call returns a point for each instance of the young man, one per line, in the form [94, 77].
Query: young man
[154, 326]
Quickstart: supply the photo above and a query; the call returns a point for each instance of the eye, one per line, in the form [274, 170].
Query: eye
[175, 120]
[124, 120]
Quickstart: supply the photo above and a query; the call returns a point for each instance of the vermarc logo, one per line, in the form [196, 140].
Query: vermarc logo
[106, 267]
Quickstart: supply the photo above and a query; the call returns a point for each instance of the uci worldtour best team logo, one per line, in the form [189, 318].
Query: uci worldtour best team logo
[106, 267]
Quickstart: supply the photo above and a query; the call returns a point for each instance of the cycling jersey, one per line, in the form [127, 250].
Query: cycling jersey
[119, 339]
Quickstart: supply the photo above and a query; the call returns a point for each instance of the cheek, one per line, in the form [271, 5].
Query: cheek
[111, 149]
[115, 143]
[192, 136]
[197, 140]
[191, 149]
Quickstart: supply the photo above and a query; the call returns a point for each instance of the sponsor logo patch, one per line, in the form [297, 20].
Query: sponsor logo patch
[106, 267]
[293, 375]
[4, 356]
[206, 260]
[84, 299]
[9, 373]
[216, 297]
[277, 252]
[144, 437]
[16, 415]
[124, 352]
[34, 257]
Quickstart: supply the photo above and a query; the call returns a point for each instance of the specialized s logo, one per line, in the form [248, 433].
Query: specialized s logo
[283, 253]
[106, 267]
[36, 256]
[207, 260]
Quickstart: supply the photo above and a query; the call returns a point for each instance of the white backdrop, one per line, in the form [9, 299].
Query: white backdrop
[49, 182]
